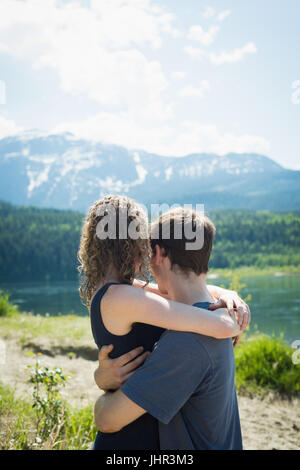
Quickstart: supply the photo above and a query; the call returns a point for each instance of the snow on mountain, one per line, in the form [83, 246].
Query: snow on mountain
[64, 172]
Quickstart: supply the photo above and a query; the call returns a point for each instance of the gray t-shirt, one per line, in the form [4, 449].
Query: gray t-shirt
[187, 383]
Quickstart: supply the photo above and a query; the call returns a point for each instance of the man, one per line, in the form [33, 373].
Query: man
[187, 382]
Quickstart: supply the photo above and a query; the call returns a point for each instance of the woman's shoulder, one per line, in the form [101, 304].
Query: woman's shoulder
[118, 308]
[118, 296]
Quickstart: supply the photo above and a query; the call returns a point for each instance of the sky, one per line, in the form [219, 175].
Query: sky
[171, 77]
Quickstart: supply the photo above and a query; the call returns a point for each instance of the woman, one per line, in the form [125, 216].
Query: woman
[124, 315]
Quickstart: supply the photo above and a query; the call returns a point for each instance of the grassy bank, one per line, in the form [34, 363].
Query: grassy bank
[65, 330]
[42, 244]
[44, 420]
[253, 271]
[263, 363]
[20, 429]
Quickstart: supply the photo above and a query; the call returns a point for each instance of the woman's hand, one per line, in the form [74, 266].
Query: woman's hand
[236, 307]
[111, 374]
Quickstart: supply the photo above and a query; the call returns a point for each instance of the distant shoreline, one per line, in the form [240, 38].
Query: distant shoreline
[214, 273]
[252, 271]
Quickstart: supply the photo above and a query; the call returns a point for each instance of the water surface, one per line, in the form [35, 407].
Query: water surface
[275, 303]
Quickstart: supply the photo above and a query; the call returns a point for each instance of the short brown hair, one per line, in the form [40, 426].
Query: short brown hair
[188, 260]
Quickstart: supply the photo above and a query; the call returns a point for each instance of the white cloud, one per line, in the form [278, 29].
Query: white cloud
[233, 56]
[96, 51]
[194, 52]
[223, 15]
[111, 23]
[196, 137]
[209, 12]
[197, 92]
[8, 128]
[2, 92]
[187, 137]
[230, 57]
[120, 128]
[196, 33]
[119, 79]
[178, 75]
[165, 21]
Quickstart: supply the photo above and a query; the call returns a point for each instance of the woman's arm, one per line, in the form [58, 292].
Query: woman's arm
[229, 299]
[215, 291]
[132, 305]
[151, 287]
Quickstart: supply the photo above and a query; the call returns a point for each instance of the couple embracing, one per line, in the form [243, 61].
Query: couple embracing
[166, 361]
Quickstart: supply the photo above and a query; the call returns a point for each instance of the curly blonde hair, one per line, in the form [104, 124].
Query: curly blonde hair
[130, 257]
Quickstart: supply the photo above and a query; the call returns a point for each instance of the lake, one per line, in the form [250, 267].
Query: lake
[275, 304]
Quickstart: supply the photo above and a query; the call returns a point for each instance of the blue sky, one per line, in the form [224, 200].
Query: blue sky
[168, 76]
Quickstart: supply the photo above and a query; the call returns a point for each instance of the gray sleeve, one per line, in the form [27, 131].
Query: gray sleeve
[169, 376]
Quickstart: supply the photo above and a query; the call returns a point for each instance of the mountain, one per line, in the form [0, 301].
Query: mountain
[63, 172]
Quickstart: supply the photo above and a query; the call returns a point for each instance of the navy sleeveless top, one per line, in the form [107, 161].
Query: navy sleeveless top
[142, 434]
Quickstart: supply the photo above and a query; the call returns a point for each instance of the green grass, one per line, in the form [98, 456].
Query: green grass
[18, 426]
[16, 417]
[264, 364]
[7, 309]
[62, 330]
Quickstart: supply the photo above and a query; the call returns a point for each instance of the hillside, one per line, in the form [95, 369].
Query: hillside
[39, 244]
[66, 173]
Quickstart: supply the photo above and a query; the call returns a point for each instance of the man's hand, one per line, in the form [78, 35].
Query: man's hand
[111, 374]
[236, 307]
[236, 340]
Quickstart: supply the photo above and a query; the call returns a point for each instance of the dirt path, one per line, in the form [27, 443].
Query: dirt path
[266, 424]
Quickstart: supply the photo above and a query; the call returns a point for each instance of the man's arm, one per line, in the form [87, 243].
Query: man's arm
[111, 374]
[160, 387]
[113, 411]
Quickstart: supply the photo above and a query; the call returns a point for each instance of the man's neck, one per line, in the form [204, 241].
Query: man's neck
[188, 289]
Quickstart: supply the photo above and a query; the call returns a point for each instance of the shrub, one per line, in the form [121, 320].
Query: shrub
[46, 421]
[47, 404]
[7, 309]
[264, 363]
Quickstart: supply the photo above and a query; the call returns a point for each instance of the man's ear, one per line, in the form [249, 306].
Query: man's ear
[157, 255]
[160, 254]
[154, 255]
